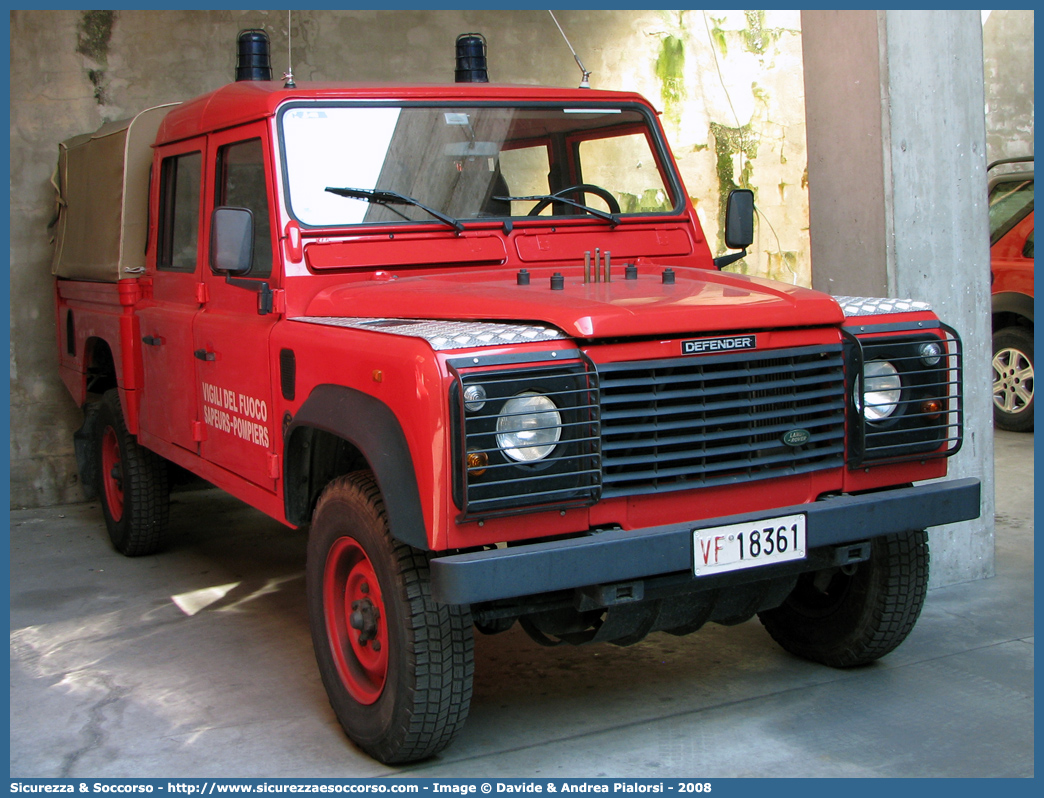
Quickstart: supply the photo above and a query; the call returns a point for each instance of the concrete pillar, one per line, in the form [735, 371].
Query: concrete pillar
[897, 202]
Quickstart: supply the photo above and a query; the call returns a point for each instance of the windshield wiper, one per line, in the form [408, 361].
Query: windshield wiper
[612, 218]
[386, 198]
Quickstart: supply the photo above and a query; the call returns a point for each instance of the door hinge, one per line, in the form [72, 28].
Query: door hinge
[279, 301]
[199, 431]
[274, 470]
[292, 241]
[202, 294]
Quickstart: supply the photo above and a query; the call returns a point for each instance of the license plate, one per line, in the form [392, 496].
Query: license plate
[719, 549]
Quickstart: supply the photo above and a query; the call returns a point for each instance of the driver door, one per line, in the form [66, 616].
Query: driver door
[230, 335]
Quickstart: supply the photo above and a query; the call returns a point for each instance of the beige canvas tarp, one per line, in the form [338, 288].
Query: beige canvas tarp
[103, 199]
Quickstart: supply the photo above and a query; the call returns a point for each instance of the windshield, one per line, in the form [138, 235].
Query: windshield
[474, 162]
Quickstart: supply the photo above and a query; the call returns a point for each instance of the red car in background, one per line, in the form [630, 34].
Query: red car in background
[1011, 259]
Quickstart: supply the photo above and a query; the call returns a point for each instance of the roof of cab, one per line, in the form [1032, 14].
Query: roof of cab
[247, 101]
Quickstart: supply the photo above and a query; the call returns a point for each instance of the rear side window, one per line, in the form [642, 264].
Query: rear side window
[1010, 202]
[241, 184]
[179, 212]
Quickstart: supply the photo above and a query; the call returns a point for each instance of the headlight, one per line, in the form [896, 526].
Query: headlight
[931, 353]
[474, 398]
[878, 396]
[528, 427]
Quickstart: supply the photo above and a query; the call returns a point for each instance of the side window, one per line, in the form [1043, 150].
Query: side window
[1027, 250]
[623, 163]
[1010, 201]
[179, 212]
[241, 184]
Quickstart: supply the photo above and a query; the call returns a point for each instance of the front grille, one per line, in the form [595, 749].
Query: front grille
[717, 419]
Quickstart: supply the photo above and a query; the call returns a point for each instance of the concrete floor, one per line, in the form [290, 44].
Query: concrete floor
[198, 663]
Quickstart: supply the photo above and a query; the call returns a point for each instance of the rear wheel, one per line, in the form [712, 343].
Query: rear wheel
[397, 667]
[855, 614]
[132, 484]
[1013, 379]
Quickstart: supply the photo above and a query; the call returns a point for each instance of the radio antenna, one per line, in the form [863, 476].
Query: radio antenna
[288, 76]
[585, 81]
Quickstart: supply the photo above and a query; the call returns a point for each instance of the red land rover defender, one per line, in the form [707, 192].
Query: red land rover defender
[474, 337]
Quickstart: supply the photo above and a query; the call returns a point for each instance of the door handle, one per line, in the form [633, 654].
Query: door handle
[152, 340]
[203, 354]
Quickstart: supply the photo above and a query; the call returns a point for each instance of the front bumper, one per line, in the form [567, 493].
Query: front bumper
[620, 555]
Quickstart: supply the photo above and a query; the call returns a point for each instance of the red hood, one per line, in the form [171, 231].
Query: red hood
[699, 301]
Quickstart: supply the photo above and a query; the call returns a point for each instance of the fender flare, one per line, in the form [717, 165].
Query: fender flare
[1013, 302]
[372, 428]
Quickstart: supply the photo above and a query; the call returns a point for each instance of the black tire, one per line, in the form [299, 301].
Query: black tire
[132, 484]
[850, 616]
[403, 692]
[1013, 379]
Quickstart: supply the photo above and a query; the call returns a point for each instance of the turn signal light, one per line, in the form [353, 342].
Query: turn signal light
[477, 462]
[932, 407]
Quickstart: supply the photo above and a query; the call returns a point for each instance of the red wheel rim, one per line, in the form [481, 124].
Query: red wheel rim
[112, 473]
[350, 585]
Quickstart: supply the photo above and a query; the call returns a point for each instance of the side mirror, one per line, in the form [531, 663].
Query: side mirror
[739, 219]
[232, 240]
[739, 226]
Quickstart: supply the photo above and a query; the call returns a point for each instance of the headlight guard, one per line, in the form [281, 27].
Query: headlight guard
[534, 442]
[922, 416]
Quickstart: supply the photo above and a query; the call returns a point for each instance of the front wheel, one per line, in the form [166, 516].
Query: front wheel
[132, 483]
[855, 614]
[397, 666]
[1013, 379]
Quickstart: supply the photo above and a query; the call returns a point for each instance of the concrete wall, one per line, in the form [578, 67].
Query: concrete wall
[846, 161]
[738, 74]
[729, 83]
[941, 235]
[918, 195]
[1007, 43]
